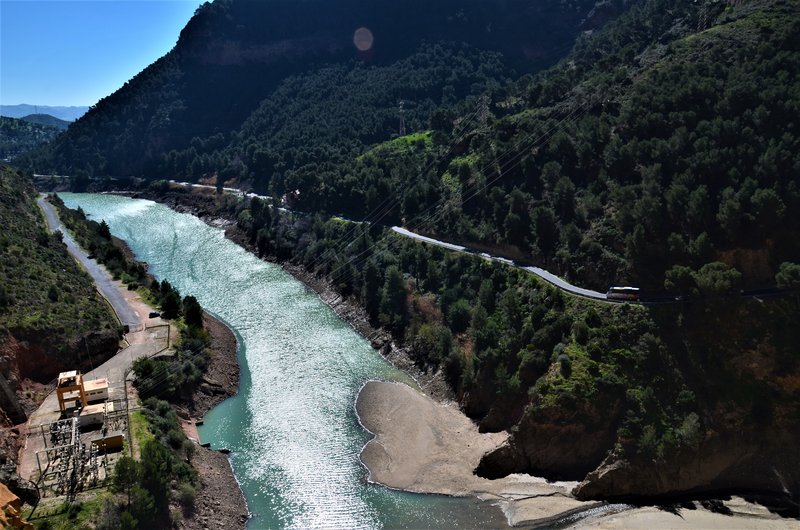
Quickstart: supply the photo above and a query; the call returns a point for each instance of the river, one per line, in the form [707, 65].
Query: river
[292, 429]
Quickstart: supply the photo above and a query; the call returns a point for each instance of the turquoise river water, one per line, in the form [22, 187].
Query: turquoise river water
[292, 429]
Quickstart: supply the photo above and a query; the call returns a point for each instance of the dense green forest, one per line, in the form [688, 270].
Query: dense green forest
[315, 121]
[675, 381]
[650, 154]
[236, 61]
[660, 152]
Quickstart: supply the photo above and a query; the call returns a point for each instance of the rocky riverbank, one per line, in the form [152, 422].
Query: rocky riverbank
[207, 207]
[219, 502]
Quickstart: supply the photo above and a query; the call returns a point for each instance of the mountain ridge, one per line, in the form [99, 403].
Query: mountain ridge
[232, 61]
[66, 113]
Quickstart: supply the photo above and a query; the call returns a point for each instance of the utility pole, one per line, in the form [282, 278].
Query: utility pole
[128, 414]
[402, 120]
[483, 111]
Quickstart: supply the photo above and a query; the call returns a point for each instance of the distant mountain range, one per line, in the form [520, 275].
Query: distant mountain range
[63, 113]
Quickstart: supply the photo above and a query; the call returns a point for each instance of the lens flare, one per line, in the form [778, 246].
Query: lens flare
[362, 38]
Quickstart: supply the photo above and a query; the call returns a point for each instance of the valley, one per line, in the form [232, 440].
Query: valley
[477, 264]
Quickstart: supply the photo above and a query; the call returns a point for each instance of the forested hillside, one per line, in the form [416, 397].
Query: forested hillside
[51, 317]
[661, 151]
[46, 119]
[235, 54]
[19, 136]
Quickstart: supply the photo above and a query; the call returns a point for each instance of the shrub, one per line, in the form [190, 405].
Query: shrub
[581, 332]
[566, 365]
[187, 496]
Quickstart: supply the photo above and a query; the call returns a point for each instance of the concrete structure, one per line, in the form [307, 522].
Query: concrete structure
[70, 389]
[94, 414]
[112, 440]
[96, 389]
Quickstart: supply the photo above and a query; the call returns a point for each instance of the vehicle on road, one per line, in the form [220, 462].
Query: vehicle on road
[623, 293]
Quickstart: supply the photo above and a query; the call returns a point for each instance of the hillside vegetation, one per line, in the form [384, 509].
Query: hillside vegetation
[662, 151]
[19, 136]
[576, 381]
[246, 71]
[51, 316]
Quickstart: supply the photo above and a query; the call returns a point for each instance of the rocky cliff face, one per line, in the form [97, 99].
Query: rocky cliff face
[28, 357]
[34, 362]
[555, 443]
[741, 437]
[724, 462]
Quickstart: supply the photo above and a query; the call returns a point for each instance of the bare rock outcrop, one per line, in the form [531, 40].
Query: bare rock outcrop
[730, 462]
[551, 443]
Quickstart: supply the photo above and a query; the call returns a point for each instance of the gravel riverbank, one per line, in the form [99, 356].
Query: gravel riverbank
[219, 502]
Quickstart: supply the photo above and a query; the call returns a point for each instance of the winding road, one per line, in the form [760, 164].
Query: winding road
[538, 271]
[758, 294]
[102, 279]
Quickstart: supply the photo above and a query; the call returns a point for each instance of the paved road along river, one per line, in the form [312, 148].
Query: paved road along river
[101, 277]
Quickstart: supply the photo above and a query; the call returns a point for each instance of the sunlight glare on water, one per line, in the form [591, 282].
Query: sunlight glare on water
[292, 429]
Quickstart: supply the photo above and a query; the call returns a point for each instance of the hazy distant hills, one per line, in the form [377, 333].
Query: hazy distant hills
[47, 119]
[62, 113]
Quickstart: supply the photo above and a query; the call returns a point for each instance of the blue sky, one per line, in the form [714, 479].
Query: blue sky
[74, 52]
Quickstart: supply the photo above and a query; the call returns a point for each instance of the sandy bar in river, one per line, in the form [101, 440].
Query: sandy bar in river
[428, 447]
